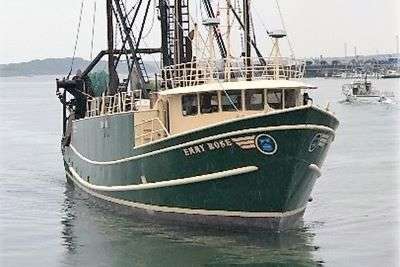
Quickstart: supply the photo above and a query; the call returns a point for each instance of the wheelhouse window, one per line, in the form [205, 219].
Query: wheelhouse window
[274, 98]
[290, 98]
[231, 100]
[209, 102]
[254, 99]
[189, 105]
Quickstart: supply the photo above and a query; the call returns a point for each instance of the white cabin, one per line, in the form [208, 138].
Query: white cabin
[193, 107]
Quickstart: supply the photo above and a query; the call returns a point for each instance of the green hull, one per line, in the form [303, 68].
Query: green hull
[256, 171]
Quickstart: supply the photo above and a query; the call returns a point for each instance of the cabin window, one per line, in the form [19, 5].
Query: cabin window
[231, 100]
[290, 98]
[255, 99]
[209, 102]
[274, 98]
[368, 87]
[189, 105]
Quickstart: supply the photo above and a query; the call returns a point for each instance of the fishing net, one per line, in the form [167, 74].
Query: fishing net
[98, 82]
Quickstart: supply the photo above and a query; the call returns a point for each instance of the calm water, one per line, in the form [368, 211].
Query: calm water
[353, 221]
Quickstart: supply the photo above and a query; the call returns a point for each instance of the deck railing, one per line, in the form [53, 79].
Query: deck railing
[149, 131]
[107, 105]
[200, 72]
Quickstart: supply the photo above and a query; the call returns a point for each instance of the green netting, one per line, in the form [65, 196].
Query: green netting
[98, 82]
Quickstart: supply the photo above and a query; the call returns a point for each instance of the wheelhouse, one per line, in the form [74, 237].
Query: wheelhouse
[194, 107]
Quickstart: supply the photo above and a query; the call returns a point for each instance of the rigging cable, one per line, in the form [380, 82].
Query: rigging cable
[239, 10]
[203, 52]
[284, 28]
[156, 64]
[259, 18]
[253, 29]
[145, 35]
[76, 39]
[93, 30]
[132, 8]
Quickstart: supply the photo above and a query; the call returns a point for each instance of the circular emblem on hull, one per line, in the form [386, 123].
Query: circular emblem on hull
[266, 144]
[314, 142]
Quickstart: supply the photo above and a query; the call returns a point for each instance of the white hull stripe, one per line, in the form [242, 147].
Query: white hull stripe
[241, 143]
[186, 211]
[169, 183]
[248, 147]
[244, 139]
[207, 139]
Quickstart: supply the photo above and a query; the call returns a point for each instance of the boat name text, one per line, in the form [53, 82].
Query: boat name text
[209, 146]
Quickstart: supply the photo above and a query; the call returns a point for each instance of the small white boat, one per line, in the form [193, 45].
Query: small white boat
[361, 90]
[391, 74]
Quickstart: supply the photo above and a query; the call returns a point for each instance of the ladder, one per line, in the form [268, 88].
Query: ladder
[171, 30]
[175, 26]
[179, 27]
[185, 24]
[123, 17]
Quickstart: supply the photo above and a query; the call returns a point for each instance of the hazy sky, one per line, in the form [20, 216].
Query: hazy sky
[31, 29]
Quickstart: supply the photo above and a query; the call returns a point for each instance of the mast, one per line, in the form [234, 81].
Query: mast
[228, 41]
[179, 50]
[246, 19]
[165, 32]
[113, 78]
[229, 28]
[253, 43]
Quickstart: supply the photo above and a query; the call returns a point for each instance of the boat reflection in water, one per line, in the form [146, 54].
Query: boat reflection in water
[94, 236]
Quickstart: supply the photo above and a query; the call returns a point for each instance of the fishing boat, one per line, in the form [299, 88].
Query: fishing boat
[219, 140]
[391, 74]
[363, 90]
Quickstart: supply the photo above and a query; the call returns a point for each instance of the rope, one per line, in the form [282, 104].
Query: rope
[93, 27]
[76, 38]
